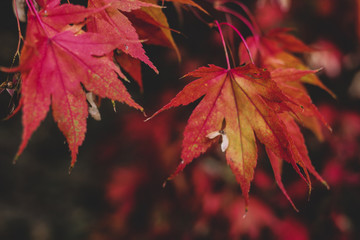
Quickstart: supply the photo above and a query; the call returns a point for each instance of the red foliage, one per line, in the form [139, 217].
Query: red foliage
[74, 56]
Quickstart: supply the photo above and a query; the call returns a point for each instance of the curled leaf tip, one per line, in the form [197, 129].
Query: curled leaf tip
[320, 69]
[309, 194]
[326, 185]
[125, 79]
[72, 165]
[15, 159]
[70, 169]
[114, 105]
[296, 210]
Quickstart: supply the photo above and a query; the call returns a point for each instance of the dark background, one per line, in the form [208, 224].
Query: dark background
[115, 190]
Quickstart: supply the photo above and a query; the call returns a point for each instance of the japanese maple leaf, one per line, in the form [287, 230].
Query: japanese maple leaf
[249, 102]
[289, 81]
[274, 50]
[151, 24]
[130, 65]
[54, 66]
[113, 21]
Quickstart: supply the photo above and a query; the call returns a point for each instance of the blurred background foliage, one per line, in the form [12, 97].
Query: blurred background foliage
[116, 189]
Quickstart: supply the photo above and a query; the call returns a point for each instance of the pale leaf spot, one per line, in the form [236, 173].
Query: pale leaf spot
[225, 142]
[93, 109]
[224, 139]
[213, 135]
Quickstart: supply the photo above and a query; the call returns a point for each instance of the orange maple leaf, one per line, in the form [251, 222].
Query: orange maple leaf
[249, 102]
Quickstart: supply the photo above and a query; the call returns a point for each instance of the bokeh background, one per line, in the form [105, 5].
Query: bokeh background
[116, 189]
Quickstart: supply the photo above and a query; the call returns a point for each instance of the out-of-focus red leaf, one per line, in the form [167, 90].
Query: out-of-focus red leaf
[290, 229]
[273, 51]
[344, 142]
[282, 40]
[268, 14]
[262, 180]
[326, 56]
[250, 224]
[123, 184]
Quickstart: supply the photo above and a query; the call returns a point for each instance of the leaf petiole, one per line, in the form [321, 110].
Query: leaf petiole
[34, 11]
[242, 38]
[223, 41]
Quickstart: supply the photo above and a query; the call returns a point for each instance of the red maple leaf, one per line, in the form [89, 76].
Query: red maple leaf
[112, 21]
[152, 28]
[289, 81]
[151, 24]
[55, 64]
[249, 102]
[274, 50]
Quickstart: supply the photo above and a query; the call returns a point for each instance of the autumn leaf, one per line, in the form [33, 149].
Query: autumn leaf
[289, 81]
[274, 50]
[299, 142]
[54, 65]
[188, 2]
[59, 15]
[286, 60]
[249, 102]
[132, 66]
[280, 39]
[270, 44]
[151, 24]
[112, 21]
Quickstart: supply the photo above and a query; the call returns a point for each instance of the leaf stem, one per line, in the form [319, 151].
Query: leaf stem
[251, 16]
[253, 21]
[19, 30]
[241, 17]
[223, 42]
[33, 10]
[242, 38]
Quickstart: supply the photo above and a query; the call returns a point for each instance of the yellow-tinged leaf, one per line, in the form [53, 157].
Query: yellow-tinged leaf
[250, 103]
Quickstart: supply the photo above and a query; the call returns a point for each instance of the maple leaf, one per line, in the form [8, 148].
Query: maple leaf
[279, 39]
[53, 65]
[151, 24]
[188, 2]
[112, 21]
[299, 142]
[273, 50]
[130, 65]
[289, 81]
[270, 44]
[250, 103]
